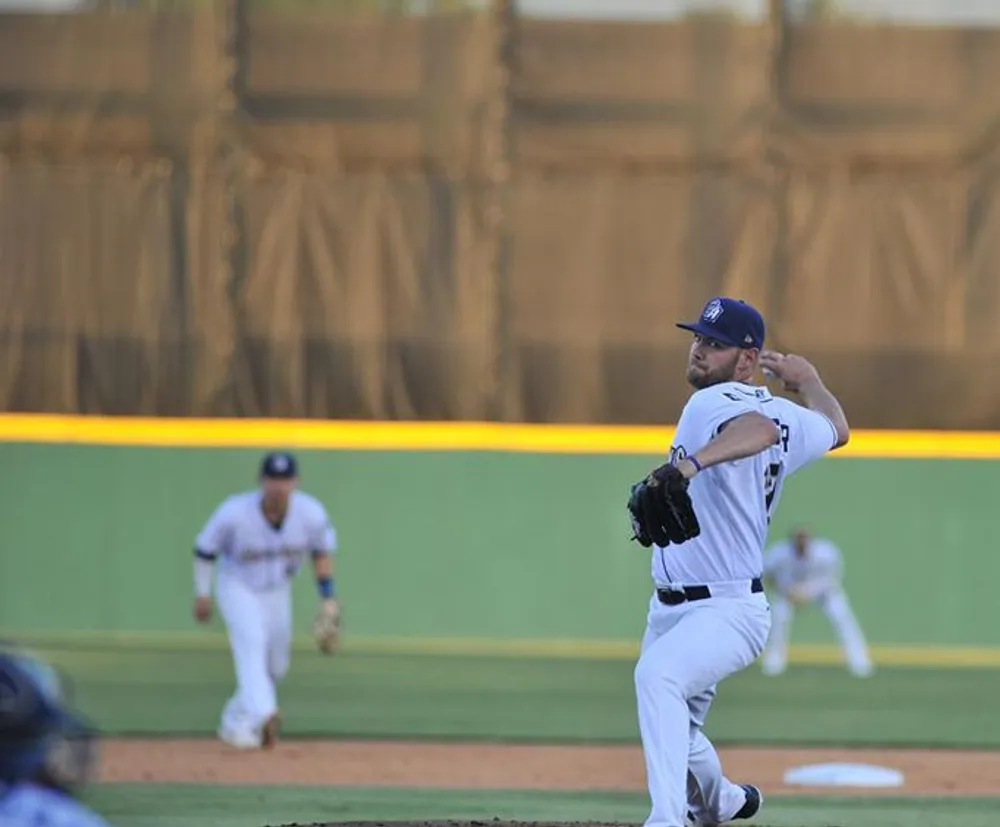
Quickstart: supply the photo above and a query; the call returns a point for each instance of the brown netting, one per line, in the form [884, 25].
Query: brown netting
[625, 94]
[365, 294]
[470, 216]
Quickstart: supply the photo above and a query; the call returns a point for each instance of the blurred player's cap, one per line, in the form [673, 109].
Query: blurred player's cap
[41, 738]
[730, 321]
[279, 466]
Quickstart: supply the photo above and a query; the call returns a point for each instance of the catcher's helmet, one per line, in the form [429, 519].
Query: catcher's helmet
[41, 739]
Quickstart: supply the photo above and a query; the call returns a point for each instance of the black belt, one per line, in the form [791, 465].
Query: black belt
[674, 597]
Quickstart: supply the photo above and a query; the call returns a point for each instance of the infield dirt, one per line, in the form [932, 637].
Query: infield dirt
[503, 766]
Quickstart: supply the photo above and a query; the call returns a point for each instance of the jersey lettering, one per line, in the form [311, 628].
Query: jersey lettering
[253, 555]
[784, 433]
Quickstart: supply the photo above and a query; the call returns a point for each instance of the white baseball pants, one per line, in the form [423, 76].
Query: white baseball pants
[838, 611]
[687, 649]
[260, 636]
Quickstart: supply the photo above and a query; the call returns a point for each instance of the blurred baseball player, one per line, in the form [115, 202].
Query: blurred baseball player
[260, 539]
[809, 570]
[47, 751]
[705, 515]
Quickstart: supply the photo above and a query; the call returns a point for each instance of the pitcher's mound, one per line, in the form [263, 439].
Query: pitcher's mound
[490, 823]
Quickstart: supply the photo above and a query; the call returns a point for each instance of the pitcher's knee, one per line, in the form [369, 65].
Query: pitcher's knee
[650, 674]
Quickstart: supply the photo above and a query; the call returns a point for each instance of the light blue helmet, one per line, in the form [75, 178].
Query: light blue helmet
[41, 738]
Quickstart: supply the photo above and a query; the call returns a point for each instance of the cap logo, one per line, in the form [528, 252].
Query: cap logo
[713, 310]
[280, 464]
[748, 339]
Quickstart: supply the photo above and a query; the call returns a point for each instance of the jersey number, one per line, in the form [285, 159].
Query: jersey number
[771, 478]
[772, 475]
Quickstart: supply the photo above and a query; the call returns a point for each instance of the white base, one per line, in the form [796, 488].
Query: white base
[844, 775]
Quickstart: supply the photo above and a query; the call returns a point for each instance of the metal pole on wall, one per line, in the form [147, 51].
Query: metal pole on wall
[501, 179]
[237, 43]
[778, 40]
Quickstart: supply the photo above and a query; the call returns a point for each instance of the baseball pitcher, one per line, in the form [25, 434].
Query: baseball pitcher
[806, 570]
[704, 514]
[260, 539]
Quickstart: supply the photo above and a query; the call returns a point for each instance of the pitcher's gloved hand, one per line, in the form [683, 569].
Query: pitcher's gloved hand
[661, 510]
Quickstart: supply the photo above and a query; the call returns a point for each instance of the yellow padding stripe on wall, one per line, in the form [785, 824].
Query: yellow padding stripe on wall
[441, 436]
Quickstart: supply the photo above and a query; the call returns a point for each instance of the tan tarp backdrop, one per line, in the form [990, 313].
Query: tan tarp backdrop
[473, 217]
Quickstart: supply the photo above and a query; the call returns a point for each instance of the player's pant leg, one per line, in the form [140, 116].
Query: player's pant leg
[279, 648]
[659, 621]
[706, 642]
[775, 658]
[852, 639]
[245, 618]
[712, 798]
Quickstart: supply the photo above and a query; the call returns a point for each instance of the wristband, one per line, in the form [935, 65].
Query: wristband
[326, 587]
[697, 465]
[202, 577]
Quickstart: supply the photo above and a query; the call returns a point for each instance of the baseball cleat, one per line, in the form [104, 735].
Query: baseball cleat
[754, 798]
[269, 732]
[238, 740]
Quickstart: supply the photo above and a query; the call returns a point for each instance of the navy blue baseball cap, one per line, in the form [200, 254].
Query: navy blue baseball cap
[730, 321]
[40, 735]
[279, 466]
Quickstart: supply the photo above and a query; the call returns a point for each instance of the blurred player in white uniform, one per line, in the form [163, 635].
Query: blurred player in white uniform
[708, 616]
[47, 751]
[807, 570]
[260, 539]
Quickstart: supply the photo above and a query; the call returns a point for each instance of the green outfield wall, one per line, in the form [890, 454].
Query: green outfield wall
[474, 544]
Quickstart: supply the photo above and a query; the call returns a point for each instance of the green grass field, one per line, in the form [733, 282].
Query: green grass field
[186, 806]
[526, 699]
[529, 699]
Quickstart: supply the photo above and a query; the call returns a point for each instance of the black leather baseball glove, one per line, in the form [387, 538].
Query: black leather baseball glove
[661, 510]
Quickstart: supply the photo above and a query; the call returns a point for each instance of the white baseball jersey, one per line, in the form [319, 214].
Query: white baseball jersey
[262, 556]
[30, 805]
[734, 500]
[817, 573]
